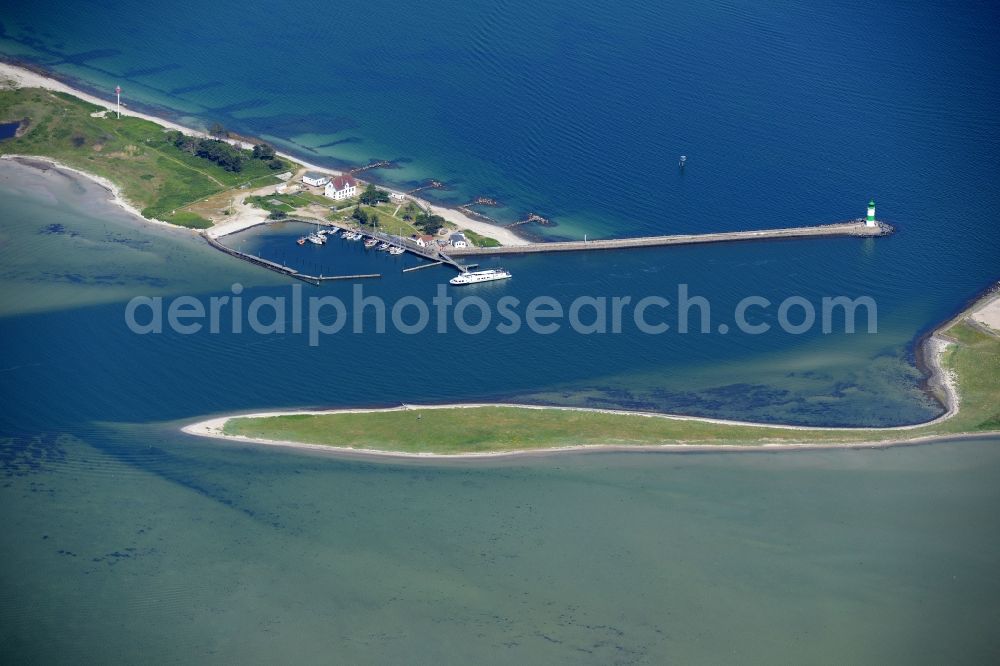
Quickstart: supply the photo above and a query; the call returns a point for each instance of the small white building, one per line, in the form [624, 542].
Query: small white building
[315, 178]
[458, 240]
[280, 189]
[341, 187]
[397, 196]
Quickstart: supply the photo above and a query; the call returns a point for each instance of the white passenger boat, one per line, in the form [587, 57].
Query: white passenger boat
[472, 277]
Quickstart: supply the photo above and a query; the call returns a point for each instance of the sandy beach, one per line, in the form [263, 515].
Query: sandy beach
[942, 381]
[212, 428]
[989, 314]
[25, 78]
[113, 190]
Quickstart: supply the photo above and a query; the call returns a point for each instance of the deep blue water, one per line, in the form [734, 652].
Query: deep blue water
[789, 113]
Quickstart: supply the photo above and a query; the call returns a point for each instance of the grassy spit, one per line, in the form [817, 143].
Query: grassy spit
[153, 174]
[973, 359]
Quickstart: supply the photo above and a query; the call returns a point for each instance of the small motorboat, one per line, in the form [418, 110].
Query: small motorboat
[395, 249]
[383, 246]
[370, 243]
[301, 241]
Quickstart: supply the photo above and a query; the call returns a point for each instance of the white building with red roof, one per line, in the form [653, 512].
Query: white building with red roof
[341, 187]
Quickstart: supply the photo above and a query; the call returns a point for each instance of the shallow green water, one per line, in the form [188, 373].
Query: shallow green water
[132, 543]
[153, 546]
[127, 542]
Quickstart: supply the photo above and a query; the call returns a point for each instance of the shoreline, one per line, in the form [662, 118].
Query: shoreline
[29, 78]
[116, 198]
[932, 349]
[203, 429]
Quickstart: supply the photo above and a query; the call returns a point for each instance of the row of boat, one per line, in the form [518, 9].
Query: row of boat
[466, 277]
[320, 237]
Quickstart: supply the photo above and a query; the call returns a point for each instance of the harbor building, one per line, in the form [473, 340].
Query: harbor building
[341, 187]
[315, 179]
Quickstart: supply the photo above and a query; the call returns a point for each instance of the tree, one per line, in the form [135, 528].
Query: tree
[409, 211]
[277, 215]
[429, 224]
[262, 151]
[373, 196]
[228, 157]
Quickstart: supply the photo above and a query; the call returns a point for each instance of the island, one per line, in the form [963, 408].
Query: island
[197, 179]
[963, 355]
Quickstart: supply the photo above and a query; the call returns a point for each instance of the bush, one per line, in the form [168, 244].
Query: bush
[373, 196]
[262, 151]
[429, 224]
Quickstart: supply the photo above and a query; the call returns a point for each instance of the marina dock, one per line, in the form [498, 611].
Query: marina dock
[259, 261]
[850, 228]
[436, 257]
[431, 254]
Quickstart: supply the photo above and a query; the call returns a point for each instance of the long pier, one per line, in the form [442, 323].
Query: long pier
[850, 228]
[856, 228]
[259, 261]
[422, 266]
[324, 278]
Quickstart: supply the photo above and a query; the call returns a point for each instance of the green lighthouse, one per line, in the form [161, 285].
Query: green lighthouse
[870, 220]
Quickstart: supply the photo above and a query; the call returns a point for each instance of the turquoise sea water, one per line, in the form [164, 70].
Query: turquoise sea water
[123, 540]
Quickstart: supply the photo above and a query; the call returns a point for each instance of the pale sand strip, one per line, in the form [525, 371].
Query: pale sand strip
[933, 349]
[989, 314]
[25, 78]
[116, 196]
[213, 428]
[343, 451]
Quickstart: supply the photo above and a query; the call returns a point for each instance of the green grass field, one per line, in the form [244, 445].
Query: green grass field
[479, 240]
[975, 358]
[152, 173]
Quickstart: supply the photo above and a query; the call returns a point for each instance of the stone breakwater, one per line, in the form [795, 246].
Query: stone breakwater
[850, 228]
